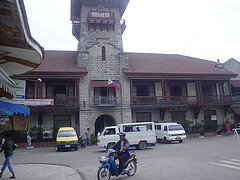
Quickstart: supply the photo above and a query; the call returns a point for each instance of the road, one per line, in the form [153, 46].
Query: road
[195, 159]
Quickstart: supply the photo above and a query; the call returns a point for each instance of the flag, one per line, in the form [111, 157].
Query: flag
[113, 83]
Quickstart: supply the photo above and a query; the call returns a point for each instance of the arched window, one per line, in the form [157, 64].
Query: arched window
[103, 53]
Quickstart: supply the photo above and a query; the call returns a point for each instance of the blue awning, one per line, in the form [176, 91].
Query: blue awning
[10, 109]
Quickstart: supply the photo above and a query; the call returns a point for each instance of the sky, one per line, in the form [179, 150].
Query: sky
[206, 29]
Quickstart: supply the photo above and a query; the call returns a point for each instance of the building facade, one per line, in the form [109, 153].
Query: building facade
[73, 90]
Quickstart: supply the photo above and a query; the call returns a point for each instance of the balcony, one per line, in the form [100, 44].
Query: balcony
[101, 17]
[106, 101]
[55, 101]
[179, 100]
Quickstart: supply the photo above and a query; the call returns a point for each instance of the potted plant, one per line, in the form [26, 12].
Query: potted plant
[93, 139]
[36, 132]
[55, 129]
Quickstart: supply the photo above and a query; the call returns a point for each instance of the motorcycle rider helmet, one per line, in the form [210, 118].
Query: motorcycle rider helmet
[122, 134]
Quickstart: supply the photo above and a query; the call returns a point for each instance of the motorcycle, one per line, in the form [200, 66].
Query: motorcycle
[110, 168]
[81, 142]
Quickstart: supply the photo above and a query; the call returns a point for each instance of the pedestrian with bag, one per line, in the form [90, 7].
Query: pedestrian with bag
[8, 148]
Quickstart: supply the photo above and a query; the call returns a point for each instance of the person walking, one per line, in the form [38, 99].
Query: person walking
[228, 127]
[29, 140]
[8, 148]
[87, 136]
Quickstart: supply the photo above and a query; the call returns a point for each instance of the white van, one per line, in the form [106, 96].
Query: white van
[139, 135]
[168, 132]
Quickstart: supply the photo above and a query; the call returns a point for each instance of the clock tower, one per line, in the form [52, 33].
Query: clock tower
[98, 27]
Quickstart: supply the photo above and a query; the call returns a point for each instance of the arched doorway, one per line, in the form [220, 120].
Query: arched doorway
[103, 121]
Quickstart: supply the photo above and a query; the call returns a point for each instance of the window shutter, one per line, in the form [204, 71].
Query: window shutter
[184, 90]
[151, 91]
[214, 92]
[134, 89]
[96, 92]
[70, 91]
[50, 91]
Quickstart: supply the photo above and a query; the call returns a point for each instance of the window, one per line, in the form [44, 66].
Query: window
[111, 131]
[30, 90]
[157, 127]
[137, 128]
[103, 53]
[104, 91]
[176, 90]
[60, 90]
[67, 133]
[142, 91]
[143, 117]
[206, 89]
[165, 128]
[62, 120]
[175, 128]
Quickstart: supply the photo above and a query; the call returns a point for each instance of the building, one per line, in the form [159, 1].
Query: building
[234, 66]
[154, 87]
[19, 53]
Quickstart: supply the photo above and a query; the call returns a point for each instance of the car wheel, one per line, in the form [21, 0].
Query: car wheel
[142, 145]
[57, 149]
[181, 141]
[165, 140]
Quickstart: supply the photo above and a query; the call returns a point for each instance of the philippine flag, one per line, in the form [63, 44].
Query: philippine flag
[113, 83]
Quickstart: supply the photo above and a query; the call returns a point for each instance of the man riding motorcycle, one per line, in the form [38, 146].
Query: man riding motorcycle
[123, 147]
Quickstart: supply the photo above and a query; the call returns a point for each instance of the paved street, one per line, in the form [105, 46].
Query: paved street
[200, 159]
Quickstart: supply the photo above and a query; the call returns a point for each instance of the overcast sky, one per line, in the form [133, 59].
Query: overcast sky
[207, 29]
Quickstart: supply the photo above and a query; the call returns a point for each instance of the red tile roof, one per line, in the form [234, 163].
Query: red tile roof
[60, 61]
[172, 64]
[58, 64]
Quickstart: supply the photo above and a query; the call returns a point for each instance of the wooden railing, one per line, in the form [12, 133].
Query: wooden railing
[66, 101]
[179, 100]
[106, 101]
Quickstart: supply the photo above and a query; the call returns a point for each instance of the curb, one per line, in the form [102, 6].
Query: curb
[52, 164]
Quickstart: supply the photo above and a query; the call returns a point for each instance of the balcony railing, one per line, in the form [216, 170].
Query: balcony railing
[105, 101]
[66, 101]
[179, 100]
[97, 14]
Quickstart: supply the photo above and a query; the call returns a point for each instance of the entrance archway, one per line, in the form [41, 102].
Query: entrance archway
[103, 121]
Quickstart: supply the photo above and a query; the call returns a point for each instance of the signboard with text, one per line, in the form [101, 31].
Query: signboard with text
[20, 93]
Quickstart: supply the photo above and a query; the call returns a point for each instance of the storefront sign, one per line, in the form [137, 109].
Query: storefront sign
[20, 93]
[20, 123]
[38, 102]
[213, 117]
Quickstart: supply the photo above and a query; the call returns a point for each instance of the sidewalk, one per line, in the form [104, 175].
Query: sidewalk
[42, 172]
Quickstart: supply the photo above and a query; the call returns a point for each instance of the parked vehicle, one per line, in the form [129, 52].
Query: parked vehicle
[67, 139]
[139, 135]
[109, 167]
[168, 132]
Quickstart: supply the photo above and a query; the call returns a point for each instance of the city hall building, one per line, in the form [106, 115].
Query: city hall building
[73, 90]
